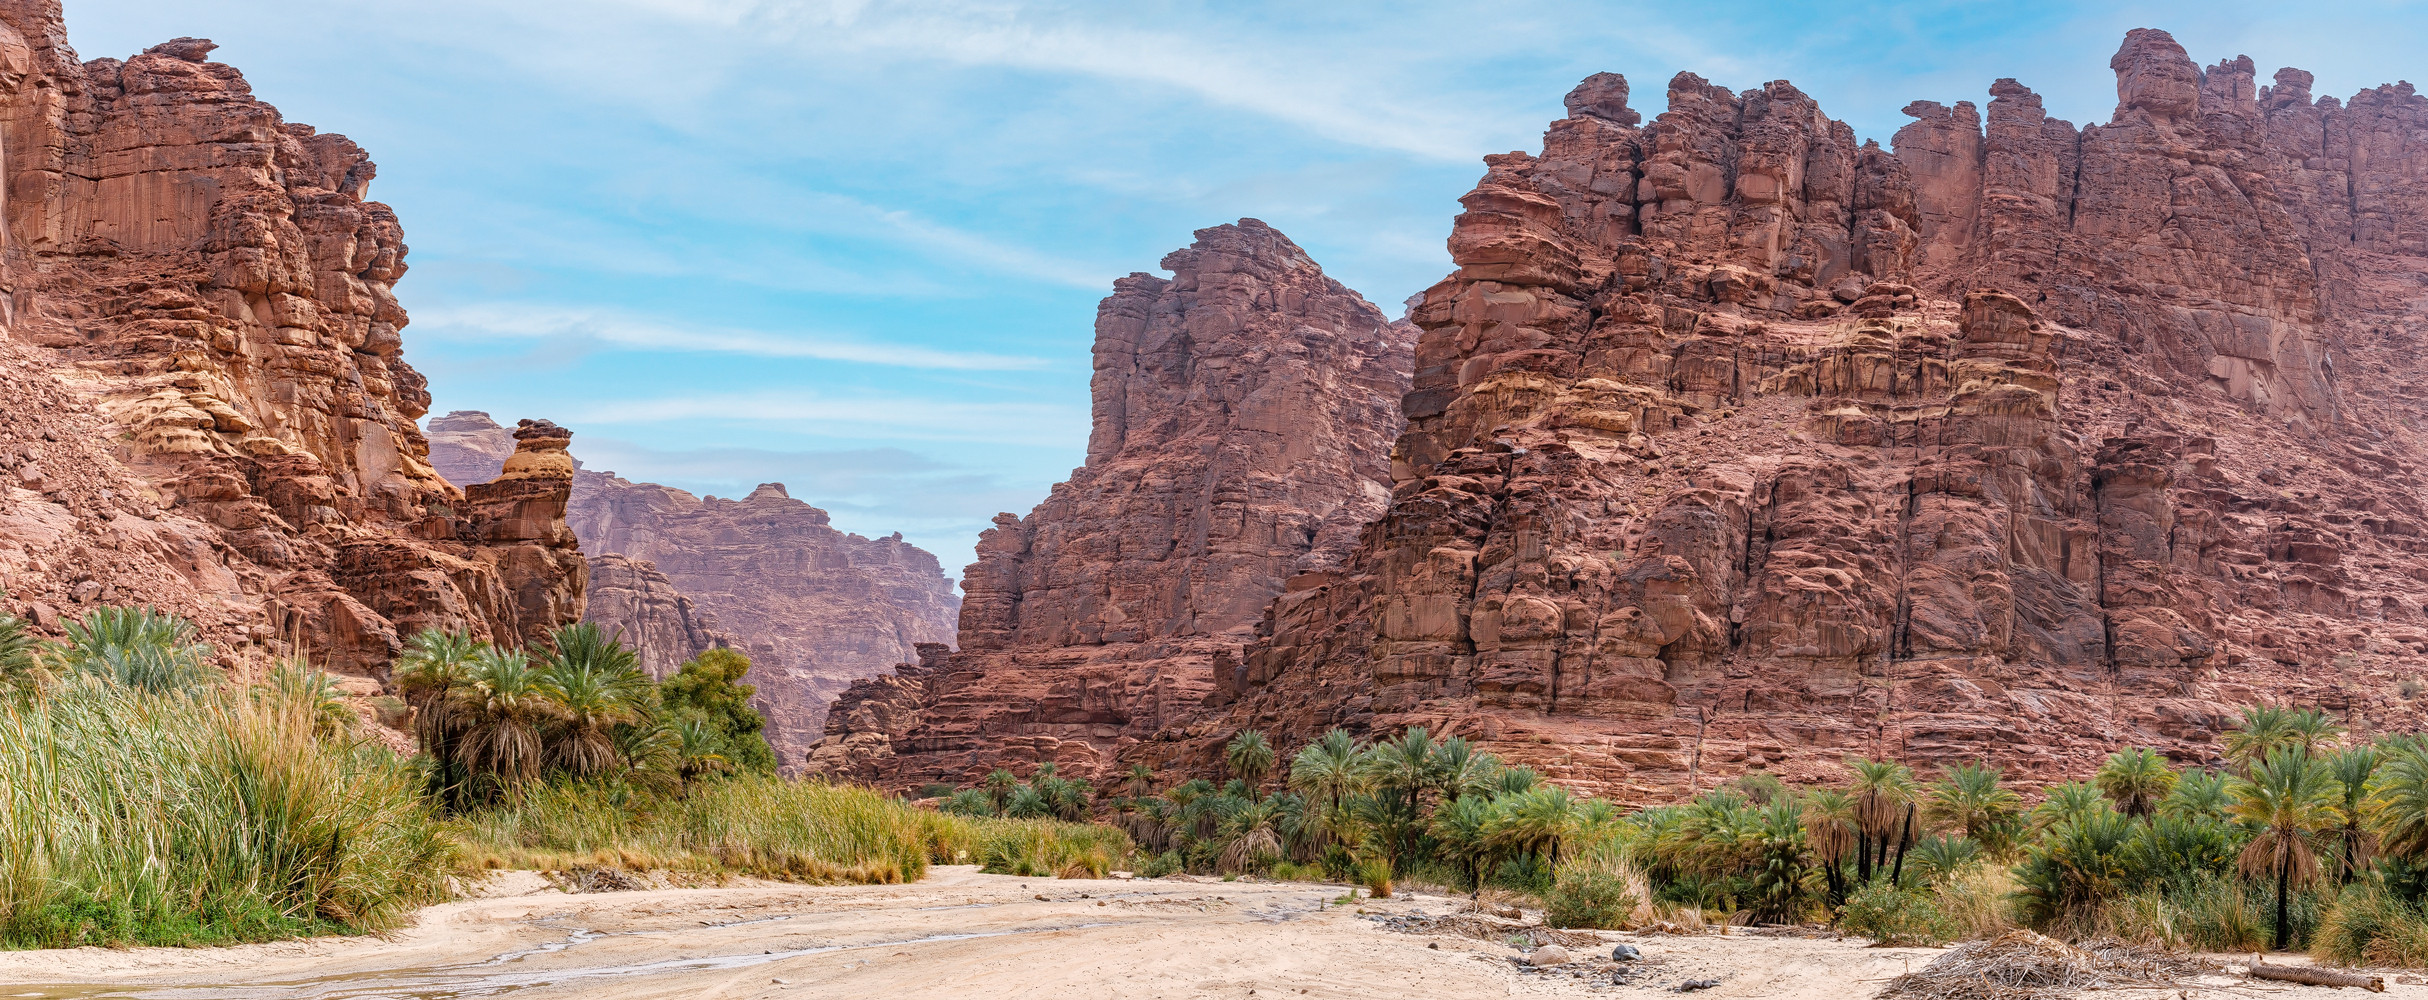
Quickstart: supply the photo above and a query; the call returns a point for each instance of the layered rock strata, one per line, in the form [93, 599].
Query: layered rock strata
[644, 609]
[208, 410]
[815, 608]
[1243, 413]
[1734, 444]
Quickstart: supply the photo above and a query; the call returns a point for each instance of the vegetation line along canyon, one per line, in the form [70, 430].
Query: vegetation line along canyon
[2011, 538]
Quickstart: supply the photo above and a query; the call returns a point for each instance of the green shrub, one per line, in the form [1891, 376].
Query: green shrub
[1889, 914]
[2368, 925]
[2080, 864]
[1048, 848]
[2218, 913]
[1375, 874]
[1167, 863]
[1590, 897]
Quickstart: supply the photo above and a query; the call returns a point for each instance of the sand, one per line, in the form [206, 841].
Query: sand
[957, 933]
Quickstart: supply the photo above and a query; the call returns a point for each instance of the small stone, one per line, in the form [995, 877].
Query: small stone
[1547, 956]
[1625, 953]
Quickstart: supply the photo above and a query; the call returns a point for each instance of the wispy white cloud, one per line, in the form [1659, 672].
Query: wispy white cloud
[526, 321]
[1317, 87]
[870, 416]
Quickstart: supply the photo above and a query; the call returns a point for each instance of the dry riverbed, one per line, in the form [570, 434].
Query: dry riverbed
[958, 933]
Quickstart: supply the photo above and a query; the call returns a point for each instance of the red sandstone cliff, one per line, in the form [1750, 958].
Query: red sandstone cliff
[1717, 460]
[203, 405]
[815, 608]
[1243, 412]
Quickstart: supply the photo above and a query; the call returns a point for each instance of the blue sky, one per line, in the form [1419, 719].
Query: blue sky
[856, 247]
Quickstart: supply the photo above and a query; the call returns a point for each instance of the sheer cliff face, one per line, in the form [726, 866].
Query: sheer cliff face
[1718, 457]
[1243, 414]
[815, 608]
[639, 605]
[201, 325]
[677, 575]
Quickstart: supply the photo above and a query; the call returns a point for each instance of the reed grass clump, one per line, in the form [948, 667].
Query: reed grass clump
[183, 814]
[769, 827]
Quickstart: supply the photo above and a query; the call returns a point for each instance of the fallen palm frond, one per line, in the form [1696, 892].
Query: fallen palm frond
[2022, 965]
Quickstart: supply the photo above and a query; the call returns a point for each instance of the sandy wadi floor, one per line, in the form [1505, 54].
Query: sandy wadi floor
[959, 934]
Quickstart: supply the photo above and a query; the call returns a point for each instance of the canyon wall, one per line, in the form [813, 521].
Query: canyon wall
[1735, 445]
[203, 402]
[1243, 413]
[815, 608]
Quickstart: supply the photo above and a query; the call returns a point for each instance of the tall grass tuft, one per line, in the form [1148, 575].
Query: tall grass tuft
[198, 815]
[761, 825]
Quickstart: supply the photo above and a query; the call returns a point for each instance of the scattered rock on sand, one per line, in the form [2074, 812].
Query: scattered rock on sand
[1548, 955]
[1625, 953]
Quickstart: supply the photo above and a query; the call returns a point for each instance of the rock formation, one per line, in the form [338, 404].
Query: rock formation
[815, 608]
[1735, 445]
[467, 447]
[1243, 413]
[203, 405]
[631, 599]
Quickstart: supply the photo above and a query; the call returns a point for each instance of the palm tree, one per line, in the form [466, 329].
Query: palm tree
[1142, 780]
[2198, 796]
[1884, 798]
[2355, 844]
[507, 706]
[1250, 757]
[2314, 731]
[2401, 808]
[1971, 798]
[435, 677]
[1829, 828]
[1464, 827]
[2287, 797]
[1458, 769]
[1328, 769]
[660, 757]
[137, 647]
[2135, 780]
[2262, 728]
[1027, 803]
[1510, 781]
[699, 751]
[2070, 800]
[1399, 771]
[16, 653]
[1533, 823]
[1404, 766]
[590, 704]
[999, 785]
[1251, 829]
[597, 685]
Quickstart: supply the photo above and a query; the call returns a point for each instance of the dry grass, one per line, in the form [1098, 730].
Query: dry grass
[2022, 965]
